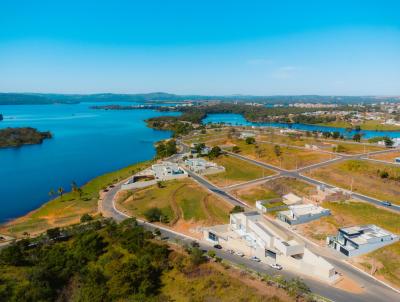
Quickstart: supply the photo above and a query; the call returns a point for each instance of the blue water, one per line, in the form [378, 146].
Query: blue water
[86, 143]
[237, 119]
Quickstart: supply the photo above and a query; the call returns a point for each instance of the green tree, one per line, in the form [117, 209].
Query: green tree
[215, 152]
[357, 137]
[388, 142]
[277, 150]
[60, 192]
[237, 209]
[86, 217]
[250, 140]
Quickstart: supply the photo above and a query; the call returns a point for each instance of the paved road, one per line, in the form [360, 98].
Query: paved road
[298, 174]
[374, 291]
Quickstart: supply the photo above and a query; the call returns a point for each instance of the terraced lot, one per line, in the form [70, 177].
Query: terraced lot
[184, 202]
[373, 179]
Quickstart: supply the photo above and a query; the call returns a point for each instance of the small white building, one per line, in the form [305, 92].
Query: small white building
[246, 134]
[266, 206]
[291, 199]
[358, 240]
[199, 165]
[298, 214]
[167, 171]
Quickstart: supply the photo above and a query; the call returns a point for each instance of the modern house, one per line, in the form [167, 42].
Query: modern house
[158, 172]
[167, 170]
[291, 199]
[298, 214]
[200, 165]
[358, 240]
[253, 235]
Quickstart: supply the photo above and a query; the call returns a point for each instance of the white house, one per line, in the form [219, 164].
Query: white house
[303, 213]
[167, 170]
[358, 240]
[200, 165]
[244, 135]
[270, 205]
[252, 234]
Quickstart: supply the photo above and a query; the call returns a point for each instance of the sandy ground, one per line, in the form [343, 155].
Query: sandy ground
[349, 285]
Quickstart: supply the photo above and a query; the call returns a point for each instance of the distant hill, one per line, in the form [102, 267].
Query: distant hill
[49, 98]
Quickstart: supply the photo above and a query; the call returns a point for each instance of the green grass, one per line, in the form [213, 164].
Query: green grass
[178, 199]
[365, 177]
[256, 193]
[270, 205]
[366, 125]
[236, 171]
[353, 212]
[69, 208]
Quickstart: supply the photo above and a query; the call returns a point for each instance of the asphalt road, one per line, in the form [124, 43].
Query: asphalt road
[374, 291]
[297, 174]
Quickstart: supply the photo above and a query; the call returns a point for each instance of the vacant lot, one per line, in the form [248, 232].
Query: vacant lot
[273, 189]
[377, 180]
[389, 157]
[287, 157]
[68, 209]
[201, 138]
[183, 202]
[366, 125]
[236, 171]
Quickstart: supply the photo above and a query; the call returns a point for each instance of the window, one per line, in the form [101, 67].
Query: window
[212, 236]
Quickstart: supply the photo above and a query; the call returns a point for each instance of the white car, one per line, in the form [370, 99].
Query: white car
[240, 254]
[254, 258]
[276, 266]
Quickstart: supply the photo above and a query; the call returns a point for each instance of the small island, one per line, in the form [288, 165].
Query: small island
[15, 137]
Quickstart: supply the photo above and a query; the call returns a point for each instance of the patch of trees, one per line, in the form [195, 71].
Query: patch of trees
[313, 119]
[15, 137]
[165, 149]
[100, 261]
[215, 152]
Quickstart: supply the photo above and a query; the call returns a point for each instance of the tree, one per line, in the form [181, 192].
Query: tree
[53, 233]
[86, 217]
[388, 142]
[155, 214]
[60, 191]
[197, 256]
[250, 140]
[277, 150]
[235, 149]
[326, 134]
[52, 193]
[336, 134]
[215, 152]
[237, 209]
[357, 137]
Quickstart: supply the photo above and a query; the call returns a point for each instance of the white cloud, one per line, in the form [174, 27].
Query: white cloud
[285, 72]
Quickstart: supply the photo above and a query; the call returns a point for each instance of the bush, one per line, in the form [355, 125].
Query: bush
[235, 149]
[155, 214]
[86, 217]
[237, 209]
[250, 140]
[384, 174]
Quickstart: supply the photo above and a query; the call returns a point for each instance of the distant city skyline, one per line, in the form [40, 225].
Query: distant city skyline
[202, 48]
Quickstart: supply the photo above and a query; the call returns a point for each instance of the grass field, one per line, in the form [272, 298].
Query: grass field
[210, 282]
[366, 125]
[179, 200]
[389, 157]
[326, 145]
[68, 209]
[386, 260]
[273, 189]
[236, 171]
[365, 176]
[290, 158]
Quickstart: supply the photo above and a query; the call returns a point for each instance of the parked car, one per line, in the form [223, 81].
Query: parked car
[276, 266]
[217, 246]
[387, 203]
[240, 254]
[256, 259]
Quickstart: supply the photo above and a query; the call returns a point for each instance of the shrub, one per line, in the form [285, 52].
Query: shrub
[86, 217]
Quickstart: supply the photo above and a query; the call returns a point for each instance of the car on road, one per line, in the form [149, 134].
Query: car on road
[387, 203]
[217, 246]
[276, 266]
[231, 252]
[256, 259]
[240, 254]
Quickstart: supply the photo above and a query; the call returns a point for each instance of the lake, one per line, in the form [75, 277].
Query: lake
[85, 144]
[237, 119]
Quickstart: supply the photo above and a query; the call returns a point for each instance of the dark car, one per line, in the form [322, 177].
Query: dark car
[217, 246]
[387, 203]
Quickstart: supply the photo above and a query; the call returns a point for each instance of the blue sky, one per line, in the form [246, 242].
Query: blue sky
[201, 47]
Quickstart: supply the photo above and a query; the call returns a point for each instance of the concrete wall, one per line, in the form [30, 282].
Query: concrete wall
[137, 185]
